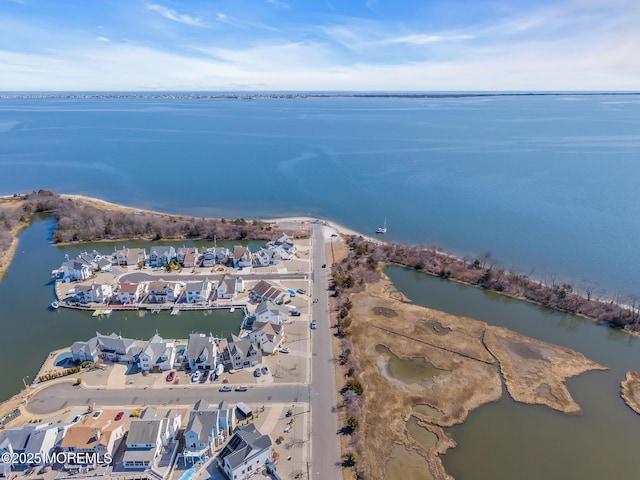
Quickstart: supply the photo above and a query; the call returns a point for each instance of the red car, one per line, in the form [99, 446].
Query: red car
[171, 376]
[119, 416]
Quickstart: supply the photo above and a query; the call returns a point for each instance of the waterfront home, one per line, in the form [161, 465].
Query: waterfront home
[94, 436]
[29, 441]
[241, 257]
[264, 291]
[267, 256]
[94, 292]
[267, 335]
[129, 256]
[241, 353]
[247, 451]
[207, 428]
[187, 256]
[147, 437]
[229, 287]
[270, 312]
[76, 270]
[115, 348]
[285, 245]
[161, 255]
[129, 293]
[198, 292]
[201, 352]
[88, 351]
[157, 355]
[95, 260]
[162, 291]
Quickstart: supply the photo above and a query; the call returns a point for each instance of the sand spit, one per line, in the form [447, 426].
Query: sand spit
[630, 391]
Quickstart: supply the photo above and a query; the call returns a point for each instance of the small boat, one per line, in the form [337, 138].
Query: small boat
[383, 230]
[54, 305]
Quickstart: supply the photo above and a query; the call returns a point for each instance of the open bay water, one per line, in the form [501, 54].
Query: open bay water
[547, 184]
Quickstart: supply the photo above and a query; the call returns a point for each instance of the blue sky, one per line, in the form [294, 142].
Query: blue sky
[387, 45]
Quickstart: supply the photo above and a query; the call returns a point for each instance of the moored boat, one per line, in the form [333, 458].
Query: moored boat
[383, 229]
[54, 305]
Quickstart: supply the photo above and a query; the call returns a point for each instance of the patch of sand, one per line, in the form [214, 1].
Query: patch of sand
[630, 390]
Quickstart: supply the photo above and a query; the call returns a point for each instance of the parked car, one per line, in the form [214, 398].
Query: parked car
[171, 377]
[324, 265]
[195, 377]
[242, 388]
[265, 370]
[256, 372]
[225, 388]
[301, 291]
[119, 416]
[313, 324]
[295, 313]
[334, 235]
[284, 349]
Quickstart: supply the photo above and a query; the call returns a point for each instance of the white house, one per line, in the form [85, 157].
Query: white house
[229, 287]
[162, 291]
[247, 451]
[129, 256]
[130, 292]
[241, 257]
[242, 353]
[198, 292]
[29, 441]
[76, 270]
[147, 436]
[94, 292]
[263, 290]
[201, 352]
[157, 355]
[161, 255]
[267, 335]
[207, 428]
[285, 244]
[268, 256]
[270, 312]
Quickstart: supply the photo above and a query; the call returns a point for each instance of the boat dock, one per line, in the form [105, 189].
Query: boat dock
[175, 311]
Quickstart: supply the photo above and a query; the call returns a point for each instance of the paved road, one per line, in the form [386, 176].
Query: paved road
[324, 417]
[64, 395]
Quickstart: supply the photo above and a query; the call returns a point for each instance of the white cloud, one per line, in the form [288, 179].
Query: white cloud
[424, 39]
[176, 17]
[277, 3]
[102, 39]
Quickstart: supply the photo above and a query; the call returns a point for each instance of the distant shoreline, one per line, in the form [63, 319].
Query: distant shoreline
[286, 95]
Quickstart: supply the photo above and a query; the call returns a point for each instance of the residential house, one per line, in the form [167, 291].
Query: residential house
[201, 352]
[198, 292]
[162, 291]
[85, 351]
[285, 245]
[157, 355]
[98, 436]
[207, 428]
[242, 353]
[270, 312]
[187, 256]
[229, 287]
[263, 290]
[267, 335]
[95, 260]
[147, 436]
[115, 348]
[129, 293]
[129, 256]
[76, 270]
[94, 292]
[247, 451]
[241, 257]
[30, 441]
[267, 256]
[161, 255]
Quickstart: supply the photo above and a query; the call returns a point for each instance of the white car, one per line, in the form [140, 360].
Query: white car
[284, 349]
[195, 377]
[265, 370]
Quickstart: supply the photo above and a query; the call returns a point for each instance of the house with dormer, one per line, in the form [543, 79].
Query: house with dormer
[198, 292]
[98, 436]
[241, 353]
[241, 257]
[130, 293]
[201, 352]
[208, 427]
[148, 435]
[271, 312]
[229, 287]
[267, 335]
[129, 256]
[157, 355]
[187, 256]
[161, 291]
[265, 291]
[94, 292]
[161, 255]
[247, 452]
[76, 270]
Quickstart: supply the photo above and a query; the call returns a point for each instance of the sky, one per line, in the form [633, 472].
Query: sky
[309, 45]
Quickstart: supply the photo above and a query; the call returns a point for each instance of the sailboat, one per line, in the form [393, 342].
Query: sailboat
[383, 229]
